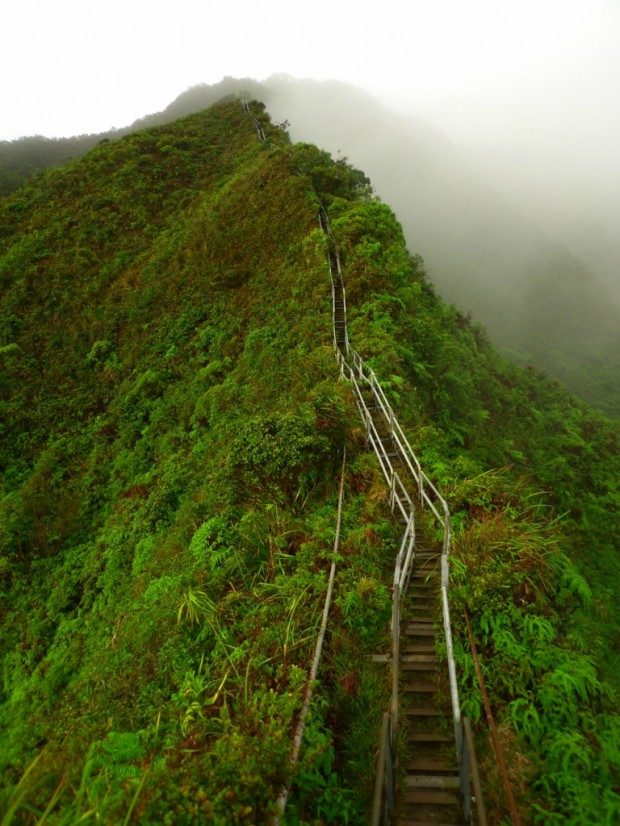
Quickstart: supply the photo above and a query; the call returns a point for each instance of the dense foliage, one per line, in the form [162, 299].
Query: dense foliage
[542, 306]
[23, 158]
[173, 424]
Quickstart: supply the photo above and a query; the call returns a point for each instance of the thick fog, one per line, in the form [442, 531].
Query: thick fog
[489, 244]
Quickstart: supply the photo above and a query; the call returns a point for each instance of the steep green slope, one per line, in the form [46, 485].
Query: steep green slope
[23, 158]
[540, 305]
[173, 424]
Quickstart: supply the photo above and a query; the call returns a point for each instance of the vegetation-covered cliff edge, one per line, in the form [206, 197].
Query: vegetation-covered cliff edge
[172, 425]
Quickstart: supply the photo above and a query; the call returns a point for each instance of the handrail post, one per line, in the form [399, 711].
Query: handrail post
[380, 776]
[481, 815]
[395, 658]
[390, 770]
[464, 771]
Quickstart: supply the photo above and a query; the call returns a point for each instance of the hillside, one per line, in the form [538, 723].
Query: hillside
[541, 304]
[25, 157]
[172, 432]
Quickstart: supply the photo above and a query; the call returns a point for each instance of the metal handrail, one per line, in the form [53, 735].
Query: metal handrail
[318, 650]
[399, 496]
[257, 124]
[352, 366]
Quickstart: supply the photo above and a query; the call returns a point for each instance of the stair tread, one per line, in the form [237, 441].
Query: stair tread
[432, 781]
[431, 764]
[437, 798]
[407, 822]
[420, 687]
[424, 711]
[420, 631]
[429, 737]
[416, 666]
[416, 648]
[418, 657]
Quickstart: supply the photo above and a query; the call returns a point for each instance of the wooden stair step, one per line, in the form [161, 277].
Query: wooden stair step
[429, 737]
[442, 799]
[425, 822]
[424, 711]
[428, 816]
[420, 687]
[430, 765]
[410, 647]
[413, 630]
[432, 781]
[429, 668]
[425, 658]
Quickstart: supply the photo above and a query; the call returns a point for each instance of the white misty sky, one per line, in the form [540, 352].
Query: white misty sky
[533, 86]
[473, 67]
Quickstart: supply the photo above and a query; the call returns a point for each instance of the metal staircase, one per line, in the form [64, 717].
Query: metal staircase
[432, 785]
[427, 780]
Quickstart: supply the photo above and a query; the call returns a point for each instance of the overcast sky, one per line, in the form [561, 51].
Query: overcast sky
[476, 67]
[531, 86]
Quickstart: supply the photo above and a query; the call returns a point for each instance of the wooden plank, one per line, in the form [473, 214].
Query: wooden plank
[430, 668]
[432, 781]
[431, 764]
[429, 737]
[413, 647]
[425, 822]
[432, 798]
[424, 711]
[419, 630]
[420, 687]
[427, 657]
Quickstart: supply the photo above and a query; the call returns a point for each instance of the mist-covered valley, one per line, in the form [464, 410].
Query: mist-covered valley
[541, 304]
[498, 261]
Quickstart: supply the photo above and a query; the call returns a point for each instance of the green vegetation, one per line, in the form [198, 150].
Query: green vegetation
[542, 306]
[23, 158]
[172, 428]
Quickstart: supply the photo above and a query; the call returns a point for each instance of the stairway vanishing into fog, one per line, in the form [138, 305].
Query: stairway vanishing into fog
[423, 783]
[426, 780]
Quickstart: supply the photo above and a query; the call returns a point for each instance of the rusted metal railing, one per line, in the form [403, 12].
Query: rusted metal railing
[366, 387]
[365, 384]
[318, 650]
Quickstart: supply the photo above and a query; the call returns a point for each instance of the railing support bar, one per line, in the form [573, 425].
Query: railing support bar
[481, 815]
[381, 770]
